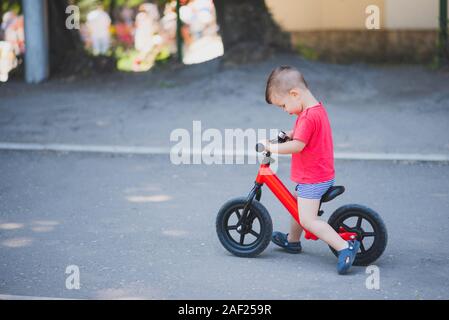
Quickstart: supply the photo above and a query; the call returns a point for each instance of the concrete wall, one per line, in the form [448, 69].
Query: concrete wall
[392, 46]
[334, 30]
[302, 15]
[411, 14]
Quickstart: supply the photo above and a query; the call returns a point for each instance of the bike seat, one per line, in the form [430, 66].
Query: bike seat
[332, 193]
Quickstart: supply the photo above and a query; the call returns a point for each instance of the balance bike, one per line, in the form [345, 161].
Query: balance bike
[244, 226]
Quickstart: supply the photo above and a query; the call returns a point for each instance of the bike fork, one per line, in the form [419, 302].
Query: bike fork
[255, 193]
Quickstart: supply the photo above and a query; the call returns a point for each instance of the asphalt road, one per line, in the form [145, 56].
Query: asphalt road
[403, 109]
[141, 227]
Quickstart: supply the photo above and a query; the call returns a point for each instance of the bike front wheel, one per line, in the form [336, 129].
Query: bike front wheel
[244, 238]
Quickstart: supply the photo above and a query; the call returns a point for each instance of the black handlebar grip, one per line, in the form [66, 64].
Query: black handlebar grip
[282, 137]
[260, 147]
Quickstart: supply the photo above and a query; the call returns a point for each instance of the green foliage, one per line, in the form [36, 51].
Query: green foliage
[306, 52]
[125, 59]
[163, 56]
[10, 5]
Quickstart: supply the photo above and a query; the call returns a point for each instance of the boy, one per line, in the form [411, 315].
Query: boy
[312, 166]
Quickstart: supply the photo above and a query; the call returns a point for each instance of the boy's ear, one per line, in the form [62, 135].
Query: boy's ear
[294, 93]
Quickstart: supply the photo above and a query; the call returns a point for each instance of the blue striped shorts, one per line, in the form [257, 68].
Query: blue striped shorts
[313, 190]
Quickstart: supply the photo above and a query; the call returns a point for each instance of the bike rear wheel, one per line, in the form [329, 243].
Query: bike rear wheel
[369, 227]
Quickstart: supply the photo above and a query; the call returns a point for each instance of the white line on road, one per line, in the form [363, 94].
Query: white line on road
[391, 156]
[82, 148]
[115, 149]
[15, 297]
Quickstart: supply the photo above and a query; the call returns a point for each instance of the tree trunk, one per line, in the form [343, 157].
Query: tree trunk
[112, 7]
[65, 44]
[248, 31]
[67, 53]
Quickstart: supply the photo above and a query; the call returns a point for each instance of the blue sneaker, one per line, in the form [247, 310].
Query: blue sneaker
[280, 239]
[346, 256]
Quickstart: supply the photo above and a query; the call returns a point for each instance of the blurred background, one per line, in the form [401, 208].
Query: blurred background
[134, 35]
[130, 35]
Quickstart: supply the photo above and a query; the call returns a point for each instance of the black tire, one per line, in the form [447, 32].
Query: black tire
[365, 256]
[258, 211]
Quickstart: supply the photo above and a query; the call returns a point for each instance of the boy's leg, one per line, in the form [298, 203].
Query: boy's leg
[295, 231]
[308, 213]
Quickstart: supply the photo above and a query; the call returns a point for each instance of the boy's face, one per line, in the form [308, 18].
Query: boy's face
[290, 102]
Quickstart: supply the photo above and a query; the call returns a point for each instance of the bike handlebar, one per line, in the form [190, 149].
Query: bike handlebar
[282, 137]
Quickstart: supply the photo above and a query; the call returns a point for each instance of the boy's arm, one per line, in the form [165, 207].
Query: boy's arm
[289, 147]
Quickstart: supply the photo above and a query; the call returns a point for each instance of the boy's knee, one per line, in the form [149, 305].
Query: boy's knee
[306, 222]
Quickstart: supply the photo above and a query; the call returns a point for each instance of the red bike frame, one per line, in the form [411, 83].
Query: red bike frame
[290, 202]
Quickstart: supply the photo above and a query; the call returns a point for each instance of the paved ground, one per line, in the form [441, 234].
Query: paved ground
[139, 226]
[372, 109]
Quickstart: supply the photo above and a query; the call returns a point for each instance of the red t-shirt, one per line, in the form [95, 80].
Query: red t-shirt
[315, 163]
